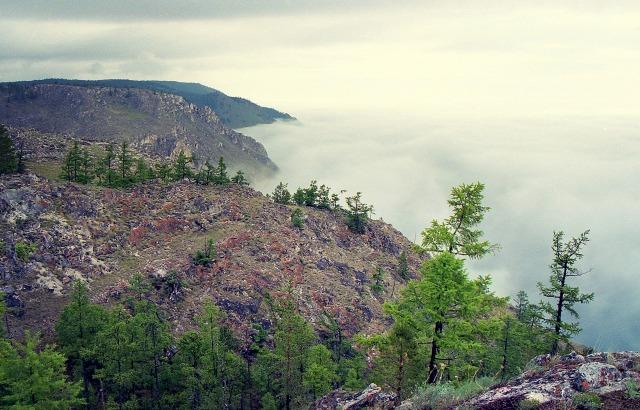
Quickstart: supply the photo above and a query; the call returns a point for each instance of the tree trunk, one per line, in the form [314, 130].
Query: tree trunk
[554, 346]
[433, 368]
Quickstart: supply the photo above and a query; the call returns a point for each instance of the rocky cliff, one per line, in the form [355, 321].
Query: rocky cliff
[159, 124]
[104, 236]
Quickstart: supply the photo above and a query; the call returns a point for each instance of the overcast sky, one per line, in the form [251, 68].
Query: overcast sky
[438, 58]
[402, 100]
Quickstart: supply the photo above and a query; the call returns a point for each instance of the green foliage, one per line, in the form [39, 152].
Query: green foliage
[377, 286]
[528, 404]
[403, 266]
[320, 371]
[239, 178]
[587, 401]
[220, 176]
[563, 268]
[125, 161]
[447, 395]
[77, 165]
[458, 234]
[24, 250]
[204, 257]
[357, 213]
[297, 218]
[281, 194]
[106, 168]
[181, 169]
[139, 285]
[32, 379]
[8, 158]
[299, 197]
[632, 389]
[268, 402]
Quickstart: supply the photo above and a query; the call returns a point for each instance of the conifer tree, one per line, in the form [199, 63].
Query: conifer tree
[320, 371]
[163, 171]
[8, 160]
[125, 161]
[76, 330]
[357, 213]
[565, 257]
[32, 379]
[311, 194]
[281, 194]
[71, 166]
[239, 178]
[324, 199]
[458, 233]
[221, 177]
[378, 281]
[181, 168]
[299, 197]
[403, 266]
[106, 168]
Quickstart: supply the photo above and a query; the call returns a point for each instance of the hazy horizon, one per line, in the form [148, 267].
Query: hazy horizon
[403, 100]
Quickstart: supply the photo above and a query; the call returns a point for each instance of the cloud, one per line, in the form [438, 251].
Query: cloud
[542, 175]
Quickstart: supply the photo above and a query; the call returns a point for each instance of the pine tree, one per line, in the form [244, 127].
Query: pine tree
[378, 281]
[357, 213]
[403, 266]
[76, 331]
[297, 218]
[32, 379]
[125, 161]
[163, 171]
[563, 267]
[324, 199]
[221, 177]
[448, 308]
[85, 169]
[71, 166]
[320, 371]
[106, 169]
[281, 194]
[8, 160]
[299, 197]
[458, 234]
[181, 169]
[239, 178]
[311, 194]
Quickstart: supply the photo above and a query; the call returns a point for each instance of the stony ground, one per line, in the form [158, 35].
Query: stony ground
[573, 381]
[104, 236]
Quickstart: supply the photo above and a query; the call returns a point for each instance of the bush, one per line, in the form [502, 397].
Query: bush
[632, 389]
[445, 395]
[205, 256]
[24, 250]
[297, 218]
[587, 401]
[528, 404]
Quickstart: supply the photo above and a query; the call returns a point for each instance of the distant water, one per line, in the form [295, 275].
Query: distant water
[541, 175]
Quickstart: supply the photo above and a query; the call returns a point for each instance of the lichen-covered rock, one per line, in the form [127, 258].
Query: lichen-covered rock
[611, 377]
[370, 398]
[595, 375]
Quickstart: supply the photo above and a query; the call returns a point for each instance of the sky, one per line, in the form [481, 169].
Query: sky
[402, 100]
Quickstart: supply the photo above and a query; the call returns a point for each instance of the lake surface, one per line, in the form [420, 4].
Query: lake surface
[541, 175]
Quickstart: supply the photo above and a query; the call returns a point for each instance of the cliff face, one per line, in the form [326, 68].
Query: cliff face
[104, 236]
[155, 123]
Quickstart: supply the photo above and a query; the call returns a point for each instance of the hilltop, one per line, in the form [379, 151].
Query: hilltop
[155, 123]
[234, 112]
[104, 236]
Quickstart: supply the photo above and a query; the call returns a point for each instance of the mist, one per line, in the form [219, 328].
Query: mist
[541, 176]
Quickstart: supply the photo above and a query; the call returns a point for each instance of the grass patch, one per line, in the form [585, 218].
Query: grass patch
[45, 169]
[445, 395]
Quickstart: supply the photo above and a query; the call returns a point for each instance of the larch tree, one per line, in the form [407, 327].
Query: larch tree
[458, 234]
[563, 268]
[8, 159]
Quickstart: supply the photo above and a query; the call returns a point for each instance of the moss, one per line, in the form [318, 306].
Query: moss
[24, 250]
[587, 401]
[528, 404]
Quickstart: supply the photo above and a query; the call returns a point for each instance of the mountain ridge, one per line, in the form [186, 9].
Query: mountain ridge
[234, 112]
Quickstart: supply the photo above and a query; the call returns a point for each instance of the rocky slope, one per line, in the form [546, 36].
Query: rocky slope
[104, 236]
[599, 380]
[156, 123]
[234, 112]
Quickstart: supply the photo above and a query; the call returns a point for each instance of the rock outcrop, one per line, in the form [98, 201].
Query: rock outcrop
[599, 380]
[155, 123]
[370, 398]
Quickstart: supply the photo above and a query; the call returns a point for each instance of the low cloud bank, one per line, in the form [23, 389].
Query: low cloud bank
[566, 174]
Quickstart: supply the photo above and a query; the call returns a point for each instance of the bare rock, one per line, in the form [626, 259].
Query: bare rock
[370, 398]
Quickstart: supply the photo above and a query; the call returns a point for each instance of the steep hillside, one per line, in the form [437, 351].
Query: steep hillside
[104, 236]
[234, 112]
[155, 123]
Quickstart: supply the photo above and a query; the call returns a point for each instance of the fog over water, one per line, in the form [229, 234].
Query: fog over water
[541, 175]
